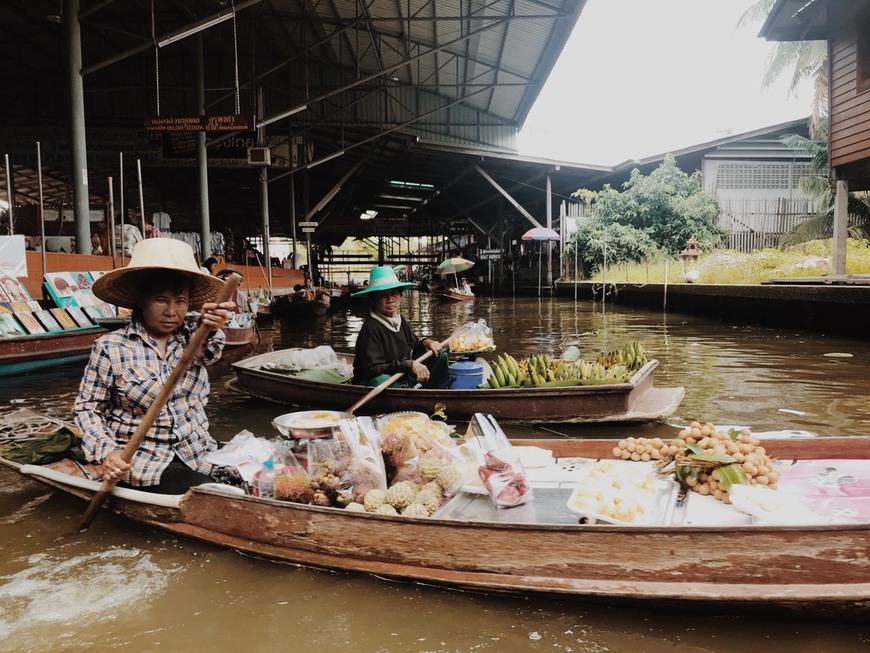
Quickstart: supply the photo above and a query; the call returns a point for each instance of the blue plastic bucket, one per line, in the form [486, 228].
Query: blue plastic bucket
[465, 375]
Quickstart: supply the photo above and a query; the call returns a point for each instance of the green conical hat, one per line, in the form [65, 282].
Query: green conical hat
[383, 278]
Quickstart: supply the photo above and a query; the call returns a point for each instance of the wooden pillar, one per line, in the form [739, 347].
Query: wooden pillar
[841, 214]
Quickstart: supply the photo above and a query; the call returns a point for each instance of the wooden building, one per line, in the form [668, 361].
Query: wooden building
[845, 26]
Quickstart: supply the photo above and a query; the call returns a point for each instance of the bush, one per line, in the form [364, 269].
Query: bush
[623, 243]
[654, 214]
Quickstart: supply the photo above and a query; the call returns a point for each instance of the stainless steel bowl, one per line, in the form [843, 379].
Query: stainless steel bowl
[309, 424]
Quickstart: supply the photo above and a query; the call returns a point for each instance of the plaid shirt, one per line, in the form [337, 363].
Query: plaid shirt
[123, 377]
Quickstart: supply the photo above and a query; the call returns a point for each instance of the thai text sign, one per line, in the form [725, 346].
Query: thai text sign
[228, 123]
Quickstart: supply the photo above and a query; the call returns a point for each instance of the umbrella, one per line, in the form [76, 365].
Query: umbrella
[540, 234]
[454, 265]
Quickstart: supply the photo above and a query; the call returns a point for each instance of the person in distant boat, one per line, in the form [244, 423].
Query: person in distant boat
[240, 297]
[386, 345]
[464, 288]
[307, 291]
[209, 265]
[151, 231]
[128, 367]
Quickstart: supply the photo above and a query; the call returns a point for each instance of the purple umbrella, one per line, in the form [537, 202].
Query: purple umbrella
[540, 234]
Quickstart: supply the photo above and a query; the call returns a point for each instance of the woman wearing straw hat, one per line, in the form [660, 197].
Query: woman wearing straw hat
[128, 367]
[386, 345]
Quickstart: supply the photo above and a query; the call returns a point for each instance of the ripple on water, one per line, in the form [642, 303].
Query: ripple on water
[55, 595]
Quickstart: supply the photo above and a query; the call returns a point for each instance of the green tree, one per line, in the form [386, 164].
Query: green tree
[653, 214]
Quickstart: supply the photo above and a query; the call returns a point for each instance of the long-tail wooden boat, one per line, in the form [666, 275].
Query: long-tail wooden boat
[635, 401]
[538, 548]
[22, 354]
[453, 296]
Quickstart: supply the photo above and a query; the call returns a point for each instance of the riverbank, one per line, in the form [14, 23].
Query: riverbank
[835, 306]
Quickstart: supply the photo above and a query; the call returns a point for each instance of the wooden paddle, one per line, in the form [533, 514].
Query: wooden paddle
[374, 392]
[190, 352]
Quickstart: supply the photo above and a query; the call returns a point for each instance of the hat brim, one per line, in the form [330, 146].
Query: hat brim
[384, 286]
[121, 287]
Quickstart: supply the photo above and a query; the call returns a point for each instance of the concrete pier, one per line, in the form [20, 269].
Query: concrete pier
[838, 307]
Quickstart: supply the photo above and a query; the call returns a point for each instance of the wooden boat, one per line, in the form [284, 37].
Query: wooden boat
[453, 296]
[636, 401]
[540, 548]
[264, 311]
[22, 354]
[240, 336]
[295, 305]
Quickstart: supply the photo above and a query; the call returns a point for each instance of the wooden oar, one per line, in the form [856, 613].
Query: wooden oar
[190, 352]
[374, 392]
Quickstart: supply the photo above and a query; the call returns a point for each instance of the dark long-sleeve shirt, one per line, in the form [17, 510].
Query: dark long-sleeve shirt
[382, 351]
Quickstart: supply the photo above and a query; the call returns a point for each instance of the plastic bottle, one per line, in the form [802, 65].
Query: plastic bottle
[264, 480]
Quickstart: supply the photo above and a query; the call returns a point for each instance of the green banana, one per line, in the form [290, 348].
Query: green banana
[499, 374]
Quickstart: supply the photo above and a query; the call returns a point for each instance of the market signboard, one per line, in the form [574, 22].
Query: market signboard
[228, 123]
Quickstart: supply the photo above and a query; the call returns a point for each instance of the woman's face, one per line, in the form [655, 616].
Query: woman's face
[386, 302]
[164, 311]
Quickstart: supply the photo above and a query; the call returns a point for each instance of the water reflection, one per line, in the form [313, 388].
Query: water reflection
[121, 586]
[766, 378]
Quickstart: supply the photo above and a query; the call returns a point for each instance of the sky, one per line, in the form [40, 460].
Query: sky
[639, 78]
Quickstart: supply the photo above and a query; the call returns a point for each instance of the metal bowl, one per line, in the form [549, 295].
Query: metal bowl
[309, 424]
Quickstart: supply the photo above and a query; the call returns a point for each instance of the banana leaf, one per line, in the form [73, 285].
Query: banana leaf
[322, 376]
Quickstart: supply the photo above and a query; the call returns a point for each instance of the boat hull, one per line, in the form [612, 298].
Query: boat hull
[239, 336]
[821, 571]
[447, 296]
[294, 306]
[22, 354]
[637, 401]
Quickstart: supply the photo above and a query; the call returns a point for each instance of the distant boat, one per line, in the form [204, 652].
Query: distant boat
[453, 296]
[297, 305]
[22, 354]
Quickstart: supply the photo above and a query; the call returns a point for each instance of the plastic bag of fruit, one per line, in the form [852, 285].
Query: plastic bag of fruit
[472, 336]
[419, 449]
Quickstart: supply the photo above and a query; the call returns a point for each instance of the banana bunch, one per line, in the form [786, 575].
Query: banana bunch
[632, 356]
[544, 370]
[596, 373]
[506, 373]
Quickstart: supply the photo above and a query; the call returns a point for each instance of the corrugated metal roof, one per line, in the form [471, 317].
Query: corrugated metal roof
[796, 20]
[368, 78]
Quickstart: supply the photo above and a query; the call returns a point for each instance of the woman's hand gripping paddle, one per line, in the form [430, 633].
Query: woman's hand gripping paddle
[190, 352]
[374, 392]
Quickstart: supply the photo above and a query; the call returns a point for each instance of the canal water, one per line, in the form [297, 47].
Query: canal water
[121, 587]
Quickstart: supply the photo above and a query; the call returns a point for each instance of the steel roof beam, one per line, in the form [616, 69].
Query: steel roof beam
[509, 197]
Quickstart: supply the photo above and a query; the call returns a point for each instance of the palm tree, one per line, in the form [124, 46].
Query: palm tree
[821, 225]
[809, 60]
[805, 60]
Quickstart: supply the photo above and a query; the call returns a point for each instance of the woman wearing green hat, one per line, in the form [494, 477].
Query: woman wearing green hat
[386, 345]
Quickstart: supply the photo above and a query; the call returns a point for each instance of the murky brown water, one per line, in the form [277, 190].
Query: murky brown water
[120, 587]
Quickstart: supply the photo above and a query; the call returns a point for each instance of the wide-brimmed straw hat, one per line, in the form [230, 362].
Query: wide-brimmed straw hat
[122, 286]
[383, 278]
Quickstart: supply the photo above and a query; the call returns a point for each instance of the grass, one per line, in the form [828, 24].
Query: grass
[811, 259]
